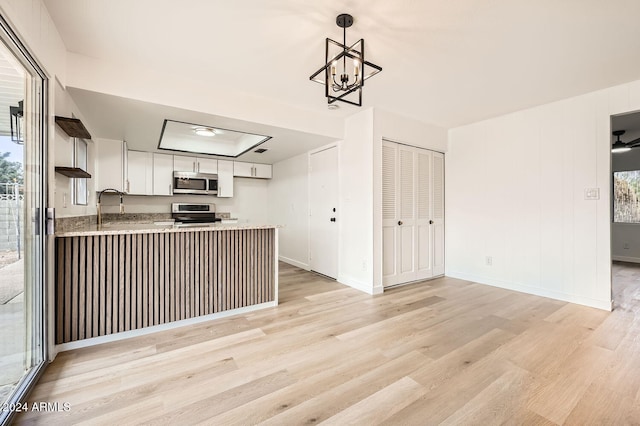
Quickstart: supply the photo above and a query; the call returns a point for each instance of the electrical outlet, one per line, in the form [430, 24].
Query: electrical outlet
[626, 246]
[489, 260]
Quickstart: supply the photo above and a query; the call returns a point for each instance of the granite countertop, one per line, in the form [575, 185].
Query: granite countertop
[116, 228]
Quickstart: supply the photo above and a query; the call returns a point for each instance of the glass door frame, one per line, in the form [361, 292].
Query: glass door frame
[37, 334]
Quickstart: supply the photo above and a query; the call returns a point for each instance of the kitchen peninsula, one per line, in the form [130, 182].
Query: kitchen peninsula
[123, 277]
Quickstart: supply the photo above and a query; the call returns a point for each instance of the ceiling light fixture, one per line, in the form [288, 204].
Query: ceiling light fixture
[345, 69]
[620, 146]
[205, 131]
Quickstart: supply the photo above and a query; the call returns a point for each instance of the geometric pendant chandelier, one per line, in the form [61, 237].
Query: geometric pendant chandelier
[345, 69]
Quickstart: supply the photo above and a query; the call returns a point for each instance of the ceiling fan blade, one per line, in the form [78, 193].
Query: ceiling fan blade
[634, 143]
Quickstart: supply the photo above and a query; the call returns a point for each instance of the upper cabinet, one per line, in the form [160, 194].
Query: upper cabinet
[253, 170]
[139, 173]
[162, 174]
[225, 179]
[183, 163]
[111, 165]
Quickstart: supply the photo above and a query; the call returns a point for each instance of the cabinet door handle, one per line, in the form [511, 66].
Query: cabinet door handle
[194, 166]
[430, 222]
[399, 222]
[170, 191]
[128, 186]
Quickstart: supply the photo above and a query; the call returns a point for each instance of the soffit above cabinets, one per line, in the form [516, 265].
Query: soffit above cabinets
[140, 125]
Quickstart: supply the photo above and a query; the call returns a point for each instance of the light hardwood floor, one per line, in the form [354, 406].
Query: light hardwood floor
[439, 352]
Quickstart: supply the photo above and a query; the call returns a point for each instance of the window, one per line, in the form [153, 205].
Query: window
[80, 193]
[626, 196]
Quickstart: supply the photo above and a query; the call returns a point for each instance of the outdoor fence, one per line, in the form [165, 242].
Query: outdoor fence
[11, 216]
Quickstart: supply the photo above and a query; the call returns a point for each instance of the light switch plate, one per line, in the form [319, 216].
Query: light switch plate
[592, 193]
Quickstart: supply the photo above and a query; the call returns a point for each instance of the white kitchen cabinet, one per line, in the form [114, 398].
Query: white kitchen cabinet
[111, 164]
[263, 171]
[139, 179]
[162, 174]
[207, 165]
[183, 163]
[253, 170]
[225, 178]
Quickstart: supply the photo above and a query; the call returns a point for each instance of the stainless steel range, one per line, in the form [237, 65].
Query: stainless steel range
[189, 214]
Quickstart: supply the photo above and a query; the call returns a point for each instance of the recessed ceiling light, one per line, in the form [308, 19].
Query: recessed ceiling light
[204, 131]
[333, 106]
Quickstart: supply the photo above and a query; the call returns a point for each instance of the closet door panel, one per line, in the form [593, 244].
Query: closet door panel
[424, 235]
[437, 228]
[406, 241]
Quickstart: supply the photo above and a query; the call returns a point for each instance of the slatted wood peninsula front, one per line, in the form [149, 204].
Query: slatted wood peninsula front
[112, 281]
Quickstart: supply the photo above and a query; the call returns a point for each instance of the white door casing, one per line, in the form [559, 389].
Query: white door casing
[323, 215]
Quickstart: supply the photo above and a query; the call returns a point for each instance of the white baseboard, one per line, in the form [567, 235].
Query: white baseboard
[294, 262]
[162, 327]
[626, 259]
[358, 285]
[536, 291]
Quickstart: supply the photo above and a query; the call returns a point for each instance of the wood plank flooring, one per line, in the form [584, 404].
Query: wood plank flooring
[439, 352]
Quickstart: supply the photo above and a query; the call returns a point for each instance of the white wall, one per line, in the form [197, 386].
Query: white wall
[355, 211]
[625, 237]
[289, 206]
[63, 156]
[515, 191]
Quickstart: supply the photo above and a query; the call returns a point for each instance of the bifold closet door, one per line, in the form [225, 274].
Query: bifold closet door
[437, 215]
[412, 212]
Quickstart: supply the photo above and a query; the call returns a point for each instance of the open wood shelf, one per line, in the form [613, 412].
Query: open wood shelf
[73, 127]
[72, 172]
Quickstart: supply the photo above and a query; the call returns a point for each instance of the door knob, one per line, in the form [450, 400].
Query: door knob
[333, 219]
[399, 222]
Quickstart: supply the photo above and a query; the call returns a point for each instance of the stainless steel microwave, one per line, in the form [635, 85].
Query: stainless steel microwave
[195, 183]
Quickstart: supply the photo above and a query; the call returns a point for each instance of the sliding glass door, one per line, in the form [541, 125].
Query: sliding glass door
[22, 203]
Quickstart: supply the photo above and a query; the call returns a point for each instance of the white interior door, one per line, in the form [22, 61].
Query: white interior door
[323, 204]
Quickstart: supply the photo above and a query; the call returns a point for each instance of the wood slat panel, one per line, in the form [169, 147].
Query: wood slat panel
[112, 283]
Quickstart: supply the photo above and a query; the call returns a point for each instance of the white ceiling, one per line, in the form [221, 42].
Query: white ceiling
[444, 62]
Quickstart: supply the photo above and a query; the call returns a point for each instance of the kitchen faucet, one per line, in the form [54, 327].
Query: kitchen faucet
[121, 194]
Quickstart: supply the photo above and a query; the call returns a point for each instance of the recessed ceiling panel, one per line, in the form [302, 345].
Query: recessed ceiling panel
[207, 139]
